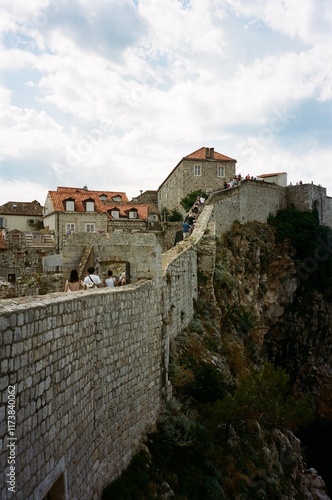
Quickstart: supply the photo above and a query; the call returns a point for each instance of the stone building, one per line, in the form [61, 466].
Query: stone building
[23, 243]
[22, 253]
[204, 169]
[279, 178]
[70, 209]
[24, 216]
[150, 198]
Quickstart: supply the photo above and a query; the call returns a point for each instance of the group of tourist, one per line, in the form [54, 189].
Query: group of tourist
[237, 180]
[233, 182]
[192, 216]
[92, 280]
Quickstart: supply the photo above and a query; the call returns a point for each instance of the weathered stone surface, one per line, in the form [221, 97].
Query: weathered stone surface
[97, 372]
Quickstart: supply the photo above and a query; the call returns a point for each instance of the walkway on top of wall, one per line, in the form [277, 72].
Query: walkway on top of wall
[204, 222]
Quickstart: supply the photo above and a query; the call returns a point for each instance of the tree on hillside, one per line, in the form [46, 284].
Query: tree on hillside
[188, 201]
[263, 396]
[175, 216]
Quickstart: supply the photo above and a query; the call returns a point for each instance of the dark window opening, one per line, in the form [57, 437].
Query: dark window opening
[57, 492]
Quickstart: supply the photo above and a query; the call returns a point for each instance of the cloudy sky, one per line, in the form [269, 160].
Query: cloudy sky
[113, 93]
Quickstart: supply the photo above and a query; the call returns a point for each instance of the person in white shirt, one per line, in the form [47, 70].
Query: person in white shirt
[122, 279]
[92, 280]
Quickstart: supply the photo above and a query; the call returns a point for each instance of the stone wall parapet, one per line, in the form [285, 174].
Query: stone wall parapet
[86, 367]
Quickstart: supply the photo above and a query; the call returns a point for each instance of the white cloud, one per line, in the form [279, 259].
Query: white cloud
[23, 190]
[116, 93]
[308, 20]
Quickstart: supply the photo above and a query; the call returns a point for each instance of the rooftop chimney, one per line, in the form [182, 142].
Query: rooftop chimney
[209, 153]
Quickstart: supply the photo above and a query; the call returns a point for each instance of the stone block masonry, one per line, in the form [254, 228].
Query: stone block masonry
[250, 201]
[86, 368]
[142, 251]
[256, 200]
[90, 372]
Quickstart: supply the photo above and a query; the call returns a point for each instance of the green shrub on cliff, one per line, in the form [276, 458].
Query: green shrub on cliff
[312, 244]
[302, 229]
[188, 201]
[262, 397]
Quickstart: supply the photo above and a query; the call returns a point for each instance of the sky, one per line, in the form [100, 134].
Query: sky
[112, 94]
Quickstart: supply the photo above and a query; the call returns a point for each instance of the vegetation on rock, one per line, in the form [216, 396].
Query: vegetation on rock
[226, 434]
[312, 244]
[188, 201]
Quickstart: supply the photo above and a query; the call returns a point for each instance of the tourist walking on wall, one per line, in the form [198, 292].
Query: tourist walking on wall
[185, 229]
[110, 281]
[73, 284]
[122, 279]
[92, 280]
[190, 219]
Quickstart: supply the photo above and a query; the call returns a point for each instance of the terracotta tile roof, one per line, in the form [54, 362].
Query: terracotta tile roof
[32, 208]
[271, 175]
[103, 201]
[201, 154]
[80, 195]
[205, 154]
[2, 240]
[125, 208]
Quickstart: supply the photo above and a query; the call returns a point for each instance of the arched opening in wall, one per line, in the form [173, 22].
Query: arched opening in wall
[58, 490]
[120, 269]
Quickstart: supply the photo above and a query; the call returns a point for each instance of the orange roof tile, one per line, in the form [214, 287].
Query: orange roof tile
[124, 209]
[80, 195]
[204, 154]
[272, 175]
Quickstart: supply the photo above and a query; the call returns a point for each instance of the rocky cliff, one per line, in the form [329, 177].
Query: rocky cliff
[253, 365]
[257, 284]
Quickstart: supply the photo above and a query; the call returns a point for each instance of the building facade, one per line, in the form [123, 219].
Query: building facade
[70, 210]
[23, 216]
[279, 178]
[204, 169]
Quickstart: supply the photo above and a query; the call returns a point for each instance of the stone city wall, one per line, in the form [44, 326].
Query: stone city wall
[89, 371]
[310, 197]
[141, 250]
[255, 200]
[86, 368]
[86, 373]
[250, 201]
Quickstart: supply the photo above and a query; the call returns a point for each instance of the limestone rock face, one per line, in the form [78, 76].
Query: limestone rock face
[301, 342]
[286, 451]
[256, 284]
[265, 307]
